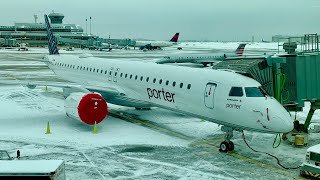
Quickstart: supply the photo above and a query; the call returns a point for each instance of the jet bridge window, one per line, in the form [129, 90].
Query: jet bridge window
[236, 91]
[254, 92]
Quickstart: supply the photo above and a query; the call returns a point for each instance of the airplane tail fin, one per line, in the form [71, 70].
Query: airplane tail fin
[52, 44]
[240, 49]
[175, 38]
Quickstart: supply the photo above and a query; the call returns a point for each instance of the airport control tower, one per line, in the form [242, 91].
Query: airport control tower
[56, 18]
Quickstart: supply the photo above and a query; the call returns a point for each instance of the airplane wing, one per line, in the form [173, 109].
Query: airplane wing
[207, 61]
[82, 88]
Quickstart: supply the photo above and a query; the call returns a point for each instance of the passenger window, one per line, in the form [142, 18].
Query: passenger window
[189, 86]
[131, 76]
[236, 91]
[174, 84]
[101, 71]
[105, 72]
[147, 79]
[160, 81]
[154, 80]
[110, 73]
[136, 77]
[181, 85]
[254, 92]
[93, 70]
[115, 74]
[126, 75]
[141, 78]
[121, 74]
[167, 82]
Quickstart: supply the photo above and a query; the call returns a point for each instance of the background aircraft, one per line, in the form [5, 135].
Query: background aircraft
[153, 45]
[204, 59]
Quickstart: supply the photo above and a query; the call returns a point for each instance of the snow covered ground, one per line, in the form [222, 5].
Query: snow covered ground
[155, 144]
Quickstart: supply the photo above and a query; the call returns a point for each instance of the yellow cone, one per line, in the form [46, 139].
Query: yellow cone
[46, 88]
[95, 128]
[48, 128]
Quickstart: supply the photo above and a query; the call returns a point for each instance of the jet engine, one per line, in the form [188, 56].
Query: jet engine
[87, 107]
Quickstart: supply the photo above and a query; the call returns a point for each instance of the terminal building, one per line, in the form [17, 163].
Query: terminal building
[35, 34]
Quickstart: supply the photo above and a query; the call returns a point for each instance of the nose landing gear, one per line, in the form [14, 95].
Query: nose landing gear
[227, 145]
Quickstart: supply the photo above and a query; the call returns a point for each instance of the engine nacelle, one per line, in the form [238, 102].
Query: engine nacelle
[89, 108]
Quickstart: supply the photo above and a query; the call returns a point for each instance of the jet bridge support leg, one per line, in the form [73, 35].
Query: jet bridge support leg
[227, 145]
[313, 107]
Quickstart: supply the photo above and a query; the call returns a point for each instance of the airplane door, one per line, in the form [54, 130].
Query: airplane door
[115, 75]
[110, 74]
[209, 95]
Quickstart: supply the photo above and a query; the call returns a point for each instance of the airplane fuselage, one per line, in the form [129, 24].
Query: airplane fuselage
[202, 93]
[155, 43]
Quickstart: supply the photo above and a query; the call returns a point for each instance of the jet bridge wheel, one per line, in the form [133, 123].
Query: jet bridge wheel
[226, 146]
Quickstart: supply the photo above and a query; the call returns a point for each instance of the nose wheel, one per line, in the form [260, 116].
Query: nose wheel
[227, 145]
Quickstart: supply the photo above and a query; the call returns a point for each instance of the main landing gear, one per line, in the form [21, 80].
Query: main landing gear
[227, 145]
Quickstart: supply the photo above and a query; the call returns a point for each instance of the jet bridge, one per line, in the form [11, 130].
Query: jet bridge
[292, 78]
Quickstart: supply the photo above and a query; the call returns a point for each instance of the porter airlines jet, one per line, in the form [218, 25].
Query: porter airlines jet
[223, 97]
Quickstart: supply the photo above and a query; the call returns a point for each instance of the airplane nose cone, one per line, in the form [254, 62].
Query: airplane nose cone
[285, 123]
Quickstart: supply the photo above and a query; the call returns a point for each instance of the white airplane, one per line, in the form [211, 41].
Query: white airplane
[235, 101]
[152, 45]
[204, 59]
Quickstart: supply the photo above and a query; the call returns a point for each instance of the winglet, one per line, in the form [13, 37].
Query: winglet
[240, 49]
[175, 38]
[52, 44]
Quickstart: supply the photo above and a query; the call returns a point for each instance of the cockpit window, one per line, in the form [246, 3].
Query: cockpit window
[254, 92]
[236, 91]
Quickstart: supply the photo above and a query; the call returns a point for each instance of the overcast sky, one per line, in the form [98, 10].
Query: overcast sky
[160, 19]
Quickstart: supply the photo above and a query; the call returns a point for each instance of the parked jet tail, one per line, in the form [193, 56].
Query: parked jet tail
[175, 38]
[52, 44]
[240, 49]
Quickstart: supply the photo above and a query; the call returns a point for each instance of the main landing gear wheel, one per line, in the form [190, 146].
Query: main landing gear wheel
[226, 146]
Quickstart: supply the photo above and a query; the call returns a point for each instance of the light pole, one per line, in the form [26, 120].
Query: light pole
[90, 24]
[86, 26]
